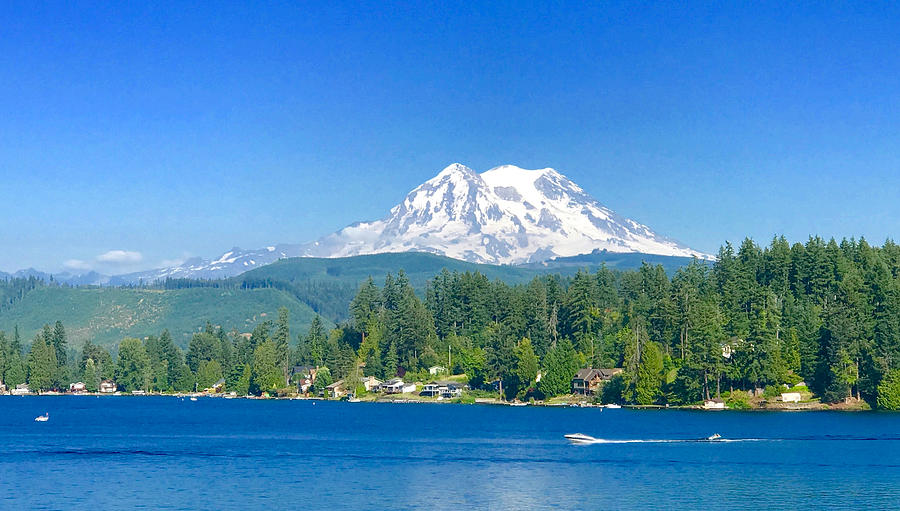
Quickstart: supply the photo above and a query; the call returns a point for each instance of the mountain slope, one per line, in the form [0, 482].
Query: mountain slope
[506, 215]
[106, 315]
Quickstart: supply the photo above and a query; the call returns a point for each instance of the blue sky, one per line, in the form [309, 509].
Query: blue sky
[168, 130]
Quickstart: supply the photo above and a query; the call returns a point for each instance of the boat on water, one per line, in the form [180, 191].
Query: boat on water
[580, 438]
[193, 398]
[612, 405]
[713, 437]
[42, 418]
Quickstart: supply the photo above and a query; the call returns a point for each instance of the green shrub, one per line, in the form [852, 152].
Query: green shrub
[772, 391]
[738, 400]
[613, 390]
[889, 391]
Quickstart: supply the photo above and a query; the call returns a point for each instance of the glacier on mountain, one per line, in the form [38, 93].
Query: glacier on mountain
[506, 215]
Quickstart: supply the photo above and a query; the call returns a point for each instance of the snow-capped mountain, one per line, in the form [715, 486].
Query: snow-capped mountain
[232, 262]
[507, 215]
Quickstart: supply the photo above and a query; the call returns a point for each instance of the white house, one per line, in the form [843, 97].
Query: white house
[436, 370]
[20, 390]
[714, 404]
[791, 397]
[77, 387]
[431, 390]
[371, 383]
[107, 386]
[450, 390]
[397, 386]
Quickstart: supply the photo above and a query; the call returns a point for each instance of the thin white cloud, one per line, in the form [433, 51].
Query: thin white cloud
[120, 257]
[76, 264]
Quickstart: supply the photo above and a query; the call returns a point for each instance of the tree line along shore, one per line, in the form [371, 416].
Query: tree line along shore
[742, 329]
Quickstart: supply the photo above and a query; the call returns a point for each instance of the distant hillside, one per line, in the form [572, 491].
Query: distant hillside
[328, 284]
[306, 285]
[106, 315]
[615, 260]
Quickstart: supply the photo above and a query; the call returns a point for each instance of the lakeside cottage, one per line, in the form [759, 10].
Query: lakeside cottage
[397, 386]
[714, 404]
[107, 387]
[431, 390]
[2, 388]
[77, 387]
[445, 390]
[336, 389]
[791, 397]
[587, 381]
[450, 390]
[436, 370]
[371, 384]
[304, 377]
[20, 390]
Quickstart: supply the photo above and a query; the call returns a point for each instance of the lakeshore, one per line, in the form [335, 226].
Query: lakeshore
[570, 401]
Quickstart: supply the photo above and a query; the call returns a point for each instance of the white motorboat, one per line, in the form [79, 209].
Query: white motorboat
[713, 437]
[612, 405]
[193, 398]
[42, 418]
[580, 438]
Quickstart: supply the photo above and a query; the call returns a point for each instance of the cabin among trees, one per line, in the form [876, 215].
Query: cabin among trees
[588, 381]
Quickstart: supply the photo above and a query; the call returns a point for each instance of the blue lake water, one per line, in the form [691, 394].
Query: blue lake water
[168, 453]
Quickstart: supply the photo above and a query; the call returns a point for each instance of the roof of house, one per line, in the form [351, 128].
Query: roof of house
[339, 383]
[589, 373]
[393, 381]
[586, 374]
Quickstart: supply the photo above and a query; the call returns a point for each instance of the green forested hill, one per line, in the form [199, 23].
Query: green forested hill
[307, 286]
[328, 285]
[106, 315]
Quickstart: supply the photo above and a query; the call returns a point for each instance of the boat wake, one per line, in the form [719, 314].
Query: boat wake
[585, 439]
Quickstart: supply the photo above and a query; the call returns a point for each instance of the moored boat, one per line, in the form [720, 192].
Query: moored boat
[42, 418]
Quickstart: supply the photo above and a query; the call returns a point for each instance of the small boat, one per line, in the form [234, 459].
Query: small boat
[193, 398]
[518, 404]
[580, 438]
[713, 437]
[612, 405]
[42, 418]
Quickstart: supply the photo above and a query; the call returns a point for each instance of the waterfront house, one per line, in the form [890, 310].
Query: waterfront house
[587, 381]
[371, 383]
[431, 390]
[336, 389]
[791, 397]
[450, 390]
[436, 370]
[20, 390]
[107, 386]
[714, 404]
[77, 387]
[304, 377]
[2, 388]
[397, 386]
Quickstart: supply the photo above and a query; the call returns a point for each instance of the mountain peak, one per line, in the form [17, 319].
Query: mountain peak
[456, 168]
[506, 215]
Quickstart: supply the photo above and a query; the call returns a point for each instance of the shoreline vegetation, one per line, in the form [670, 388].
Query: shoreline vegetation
[787, 327]
[572, 401]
